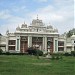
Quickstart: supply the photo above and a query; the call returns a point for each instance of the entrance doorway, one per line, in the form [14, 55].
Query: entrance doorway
[24, 44]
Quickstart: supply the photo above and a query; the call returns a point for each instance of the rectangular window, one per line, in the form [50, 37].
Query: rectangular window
[11, 47]
[11, 42]
[61, 49]
[60, 43]
[17, 44]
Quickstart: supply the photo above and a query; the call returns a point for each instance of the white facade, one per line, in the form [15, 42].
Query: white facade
[39, 35]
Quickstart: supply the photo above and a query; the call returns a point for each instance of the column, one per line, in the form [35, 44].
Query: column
[45, 44]
[7, 44]
[18, 44]
[72, 44]
[65, 49]
[72, 47]
[55, 45]
[29, 41]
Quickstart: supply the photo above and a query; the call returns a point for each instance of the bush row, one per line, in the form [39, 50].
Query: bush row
[56, 56]
[34, 51]
[30, 51]
[8, 53]
[70, 54]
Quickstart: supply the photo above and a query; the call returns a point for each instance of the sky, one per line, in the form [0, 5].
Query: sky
[58, 13]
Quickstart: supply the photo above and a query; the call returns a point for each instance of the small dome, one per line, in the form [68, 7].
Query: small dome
[73, 36]
[24, 25]
[49, 27]
[56, 30]
[18, 28]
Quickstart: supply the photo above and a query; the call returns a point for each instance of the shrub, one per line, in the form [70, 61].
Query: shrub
[7, 53]
[73, 53]
[39, 52]
[56, 56]
[53, 57]
[34, 51]
[1, 51]
[67, 54]
[31, 51]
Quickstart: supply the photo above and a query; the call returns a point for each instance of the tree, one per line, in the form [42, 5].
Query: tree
[70, 33]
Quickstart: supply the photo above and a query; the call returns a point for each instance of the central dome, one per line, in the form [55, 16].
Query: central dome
[37, 22]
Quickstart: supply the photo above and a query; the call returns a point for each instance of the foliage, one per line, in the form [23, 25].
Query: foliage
[70, 54]
[73, 53]
[34, 51]
[31, 51]
[1, 51]
[39, 52]
[0, 34]
[70, 33]
[7, 53]
[56, 56]
[67, 54]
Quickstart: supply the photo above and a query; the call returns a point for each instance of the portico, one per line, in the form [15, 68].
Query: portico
[42, 42]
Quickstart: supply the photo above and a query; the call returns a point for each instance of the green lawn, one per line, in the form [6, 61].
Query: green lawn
[30, 65]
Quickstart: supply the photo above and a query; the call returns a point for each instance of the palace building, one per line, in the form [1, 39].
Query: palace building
[37, 34]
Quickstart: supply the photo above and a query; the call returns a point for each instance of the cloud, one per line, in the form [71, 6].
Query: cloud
[4, 14]
[19, 9]
[60, 16]
[74, 14]
[11, 22]
[41, 0]
[47, 13]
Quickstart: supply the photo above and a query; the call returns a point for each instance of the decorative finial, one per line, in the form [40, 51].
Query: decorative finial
[24, 22]
[37, 16]
[7, 31]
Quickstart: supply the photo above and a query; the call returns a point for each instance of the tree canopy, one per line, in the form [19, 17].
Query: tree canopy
[70, 33]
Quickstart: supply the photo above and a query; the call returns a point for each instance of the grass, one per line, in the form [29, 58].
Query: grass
[30, 65]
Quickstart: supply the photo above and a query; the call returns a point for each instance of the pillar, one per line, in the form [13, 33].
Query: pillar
[65, 49]
[72, 44]
[7, 44]
[45, 44]
[55, 44]
[18, 44]
[29, 41]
